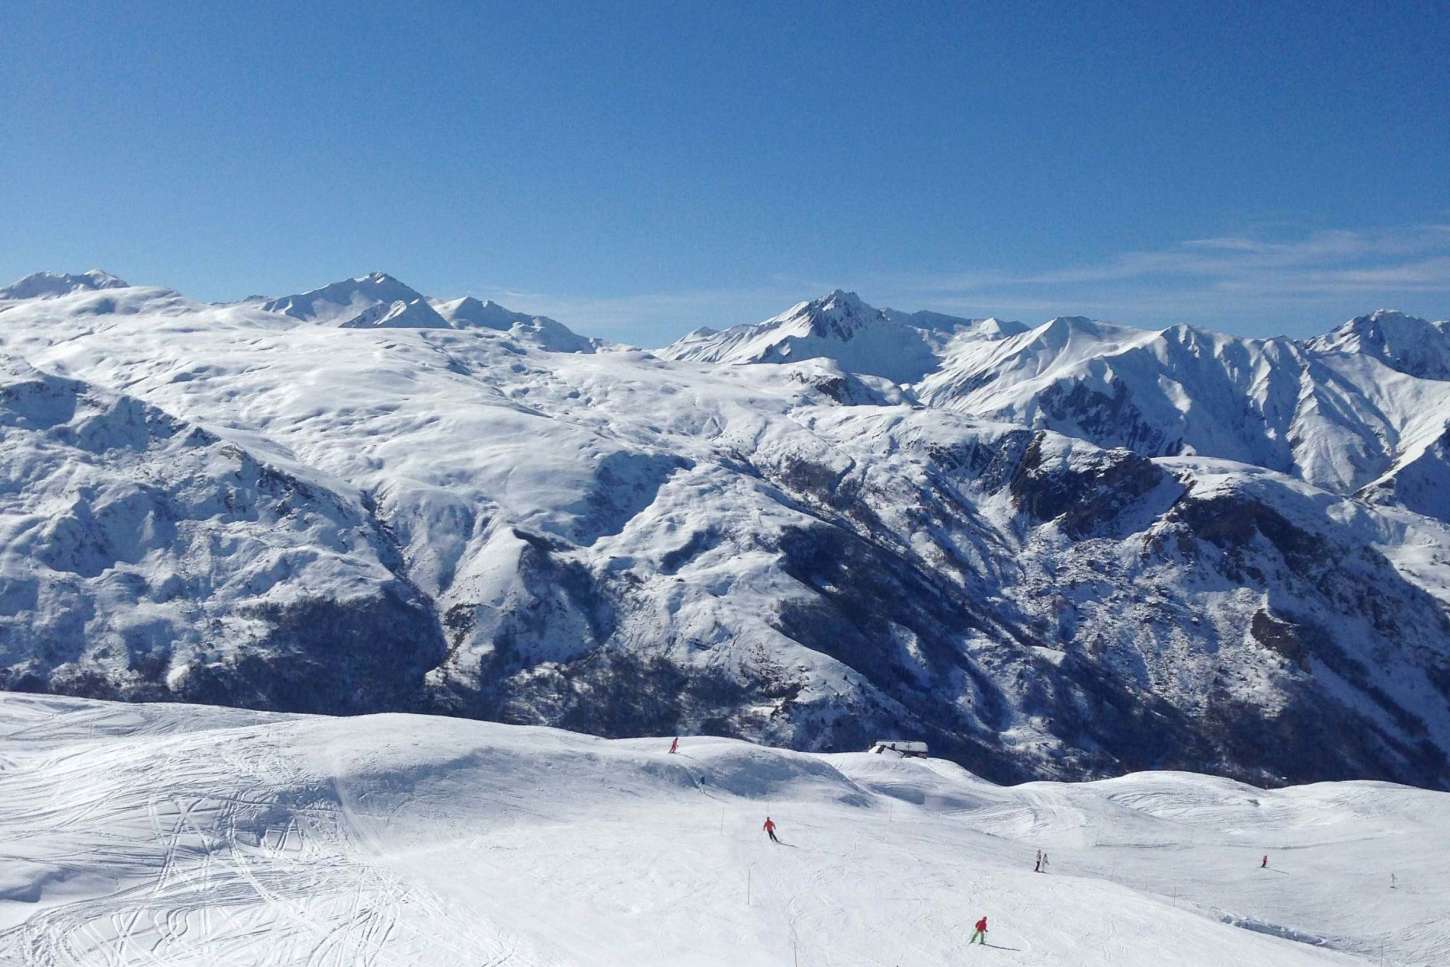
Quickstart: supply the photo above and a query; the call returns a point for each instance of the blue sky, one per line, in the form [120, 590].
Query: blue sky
[639, 169]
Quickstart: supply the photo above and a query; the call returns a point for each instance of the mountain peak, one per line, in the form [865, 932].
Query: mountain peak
[484, 313]
[1066, 327]
[844, 299]
[1384, 321]
[1000, 328]
[1407, 343]
[341, 303]
[1382, 324]
[468, 312]
[839, 326]
[40, 285]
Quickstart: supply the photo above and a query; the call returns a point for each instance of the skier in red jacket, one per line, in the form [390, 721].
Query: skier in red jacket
[1264, 865]
[981, 931]
[769, 828]
[675, 745]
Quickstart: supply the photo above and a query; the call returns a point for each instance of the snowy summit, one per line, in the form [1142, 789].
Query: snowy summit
[1065, 550]
[43, 284]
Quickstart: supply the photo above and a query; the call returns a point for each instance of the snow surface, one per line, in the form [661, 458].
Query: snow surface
[40, 285]
[1415, 346]
[342, 302]
[544, 332]
[807, 549]
[1347, 410]
[863, 339]
[173, 834]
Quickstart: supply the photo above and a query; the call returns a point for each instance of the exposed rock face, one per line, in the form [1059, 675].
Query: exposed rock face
[1089, 493]
[147, 559]
[248, 505]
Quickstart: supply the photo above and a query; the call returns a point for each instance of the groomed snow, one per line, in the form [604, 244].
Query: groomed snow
[171, 834]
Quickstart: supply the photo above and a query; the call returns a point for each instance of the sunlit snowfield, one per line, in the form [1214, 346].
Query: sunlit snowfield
[167, 834]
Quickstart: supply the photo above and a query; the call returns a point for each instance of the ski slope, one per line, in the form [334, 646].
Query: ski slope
[172, 834]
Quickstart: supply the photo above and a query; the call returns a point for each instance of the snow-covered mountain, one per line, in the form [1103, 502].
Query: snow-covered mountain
[863, 339]
[42, 284]
[416, 314]
[539, 330]
[1338, 419]
[1350, 410]
[1069, 550]
[1401, 342]
[149, 834]
[140, 549]
[379, 301]
[357, 303]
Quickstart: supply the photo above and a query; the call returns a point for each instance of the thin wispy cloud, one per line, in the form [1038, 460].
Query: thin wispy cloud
[1241, 283]
[1231, 282]
[1235, 258]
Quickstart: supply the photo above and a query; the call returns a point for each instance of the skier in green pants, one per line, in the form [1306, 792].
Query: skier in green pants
[981, 931]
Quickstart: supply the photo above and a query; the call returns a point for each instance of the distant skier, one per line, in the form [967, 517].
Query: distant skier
[1037, 868]
[981, 931]
[675, 745]
[1042, 867]
[1265, 864]
[1393, 883]
[769, 828]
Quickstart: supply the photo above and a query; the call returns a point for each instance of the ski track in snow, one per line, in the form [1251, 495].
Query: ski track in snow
[209, 868]
[169, 835]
